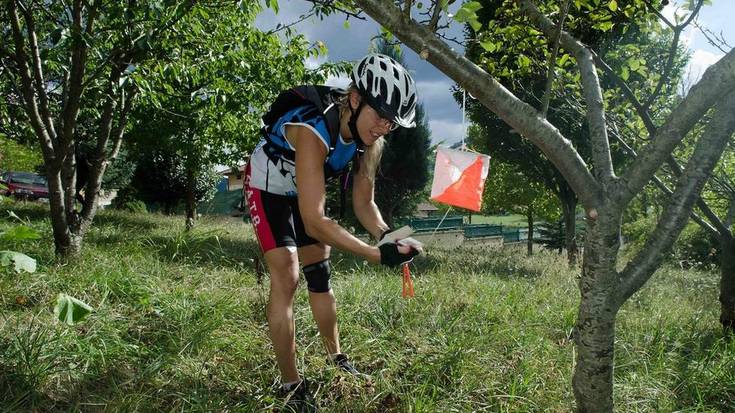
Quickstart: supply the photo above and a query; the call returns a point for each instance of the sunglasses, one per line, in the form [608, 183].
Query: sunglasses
[383, 119]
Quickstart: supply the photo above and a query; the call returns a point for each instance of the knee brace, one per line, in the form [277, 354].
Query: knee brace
[317, 276]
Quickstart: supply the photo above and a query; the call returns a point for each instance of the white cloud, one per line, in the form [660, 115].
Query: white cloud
[448, 132]
[674, 9]
[341, 81]
[434, 90]
[700, 61]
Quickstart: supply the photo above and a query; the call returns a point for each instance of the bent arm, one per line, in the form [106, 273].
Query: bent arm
[363, 203]
[310, 156]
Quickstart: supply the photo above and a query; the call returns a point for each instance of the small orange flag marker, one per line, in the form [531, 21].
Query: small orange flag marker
[459, 178]
[407, 282]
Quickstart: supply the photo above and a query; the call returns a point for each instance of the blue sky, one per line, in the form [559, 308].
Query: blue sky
[443, 112]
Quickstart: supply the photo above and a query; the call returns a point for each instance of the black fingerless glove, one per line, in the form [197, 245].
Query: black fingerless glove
[390, 256]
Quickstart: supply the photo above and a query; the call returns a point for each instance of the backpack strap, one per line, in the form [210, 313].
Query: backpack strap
[324, 98]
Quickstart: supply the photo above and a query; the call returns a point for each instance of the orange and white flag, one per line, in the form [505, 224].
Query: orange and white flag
[459, 178]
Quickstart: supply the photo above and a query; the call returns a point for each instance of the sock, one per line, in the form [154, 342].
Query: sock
[334, 356]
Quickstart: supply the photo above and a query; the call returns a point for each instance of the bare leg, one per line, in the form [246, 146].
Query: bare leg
[283, 266]
[323, 305]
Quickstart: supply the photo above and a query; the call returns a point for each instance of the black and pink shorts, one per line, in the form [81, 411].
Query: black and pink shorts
[276, 218]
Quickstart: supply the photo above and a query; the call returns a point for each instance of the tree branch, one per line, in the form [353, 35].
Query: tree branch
[717, 81]
[672, 54]
[519, 115]
[98, 162]
[706, 153]
[730, 216]
[293, 23]
[666, 190]
[642, 111]
[591, 88]
[37, 71]
[75, 88]
[550, 74]
[29, 97]
[119, 130]
[716, 40]
[436, 13]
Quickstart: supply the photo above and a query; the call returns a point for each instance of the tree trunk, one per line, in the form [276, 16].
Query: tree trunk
[569, 211]
[727, 285]
[595, 327]
[191, 208]
[67, 241]
[191, 203]
[529, 216]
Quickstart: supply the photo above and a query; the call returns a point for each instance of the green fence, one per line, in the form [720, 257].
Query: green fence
[431, 224]
[511, 234]
[482, 230]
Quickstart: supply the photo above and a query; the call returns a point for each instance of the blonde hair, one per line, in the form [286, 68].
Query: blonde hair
[369, 162]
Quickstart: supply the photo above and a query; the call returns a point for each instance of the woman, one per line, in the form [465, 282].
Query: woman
[311, 134]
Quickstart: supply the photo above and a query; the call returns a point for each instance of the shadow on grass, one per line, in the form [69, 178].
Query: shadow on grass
[503, 264]
[118, 388]
[208, 249]
[125, 221]
[35, 211]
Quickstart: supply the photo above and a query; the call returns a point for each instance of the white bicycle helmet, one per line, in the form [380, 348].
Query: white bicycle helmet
[388, 88]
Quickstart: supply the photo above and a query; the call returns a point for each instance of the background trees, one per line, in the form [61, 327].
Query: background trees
[76, 69]
[512, 51]
[202, 102]
[66, 58]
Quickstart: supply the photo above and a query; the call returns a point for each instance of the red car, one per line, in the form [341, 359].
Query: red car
[25, 185]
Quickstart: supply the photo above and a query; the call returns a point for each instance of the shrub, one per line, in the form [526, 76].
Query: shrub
[127, 200]
[694, 248]
[135, 206]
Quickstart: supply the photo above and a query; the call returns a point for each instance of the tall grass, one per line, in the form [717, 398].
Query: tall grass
[179, 325]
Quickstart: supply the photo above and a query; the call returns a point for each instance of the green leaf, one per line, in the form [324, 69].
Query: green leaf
[625, 74]
[613, 5]
[523, 61]
[468, 14]
[604, 26]
[22, 262]
[70, 310]
[273, 4]
[20, 233]
[472, 6]
[489, 45]
[346, 24]
[634, 64]
[476, 25]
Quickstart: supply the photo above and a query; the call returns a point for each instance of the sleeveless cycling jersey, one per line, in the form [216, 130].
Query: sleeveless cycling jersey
[272, 163]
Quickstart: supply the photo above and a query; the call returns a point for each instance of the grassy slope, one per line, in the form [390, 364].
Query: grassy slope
[180, 326]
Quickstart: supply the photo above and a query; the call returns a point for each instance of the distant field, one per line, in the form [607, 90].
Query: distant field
[509, 220]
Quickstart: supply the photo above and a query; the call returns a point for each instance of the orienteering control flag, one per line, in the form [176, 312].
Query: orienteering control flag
[459, 178]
